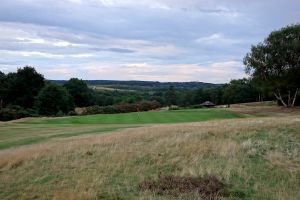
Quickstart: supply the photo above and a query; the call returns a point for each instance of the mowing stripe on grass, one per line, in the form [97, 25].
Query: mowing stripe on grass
[31, 131]
[37, 139]
[143, 117]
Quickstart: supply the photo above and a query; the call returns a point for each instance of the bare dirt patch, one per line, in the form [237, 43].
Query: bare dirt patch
[208, 187]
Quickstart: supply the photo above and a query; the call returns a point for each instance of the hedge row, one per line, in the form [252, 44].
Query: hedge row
[122, 108]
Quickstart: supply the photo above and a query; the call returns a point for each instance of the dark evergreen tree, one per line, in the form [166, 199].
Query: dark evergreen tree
[54, 99]
[23, 86]
[239, 91]
[3, 89]
[80, 92]
[171, 96]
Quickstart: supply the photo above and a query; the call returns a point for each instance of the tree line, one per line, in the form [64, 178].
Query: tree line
[27, 93]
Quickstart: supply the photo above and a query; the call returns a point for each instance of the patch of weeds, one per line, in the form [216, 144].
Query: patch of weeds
[260, 143]
[236, 193]
[260, 135]
[207, 187]
[16, 164]
[144, 160]
[213, 161]
[240, 187]
[108, 196]
[255, 148]
[44, 179]
[89, 153]
[167, 168]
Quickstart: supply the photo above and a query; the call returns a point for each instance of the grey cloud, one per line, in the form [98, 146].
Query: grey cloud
[157, 32]
[117, 50]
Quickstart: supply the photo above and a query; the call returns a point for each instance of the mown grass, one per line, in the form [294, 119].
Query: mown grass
[144, 117]
[257, 158]
[32, 131]
[18, 134]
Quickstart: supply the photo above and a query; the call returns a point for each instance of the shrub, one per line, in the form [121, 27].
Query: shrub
[196, 106]
[149, 105]
[122, 108]
[72, 113]
[109, 110]
[91, 110]
[7, 114]
[13, 112]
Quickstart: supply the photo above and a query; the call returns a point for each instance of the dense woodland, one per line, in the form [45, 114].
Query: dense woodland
[273, 67]
[133, 85]
[27, 93]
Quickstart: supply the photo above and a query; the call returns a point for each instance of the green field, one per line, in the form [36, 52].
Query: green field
[30, 131]
[144, 117]
[70, 157]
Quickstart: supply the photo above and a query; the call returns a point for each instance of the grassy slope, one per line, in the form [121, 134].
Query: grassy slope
[18, 134]
[31, 131]
[257, 157]
[145, 117]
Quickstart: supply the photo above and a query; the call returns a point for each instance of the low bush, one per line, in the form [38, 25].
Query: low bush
[7, 114]
[72, 113]
[122, 108]
[195, 106]
[16, 112]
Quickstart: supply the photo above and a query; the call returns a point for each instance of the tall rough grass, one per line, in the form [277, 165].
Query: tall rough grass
[256, 158]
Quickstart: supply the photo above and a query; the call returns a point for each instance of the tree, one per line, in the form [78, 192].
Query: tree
[54, 99]
[200, 96]
[215, 94]
[23, 86]
[79, 91]
[2, 89]
[239, 91]
[171, 96]
[275, 63]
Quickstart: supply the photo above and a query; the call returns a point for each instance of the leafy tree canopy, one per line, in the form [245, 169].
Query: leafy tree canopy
[275, 63]
[54, 99]
[79, 91]
[2, 88]
[171, 96]
[239, 91]
[23, 86]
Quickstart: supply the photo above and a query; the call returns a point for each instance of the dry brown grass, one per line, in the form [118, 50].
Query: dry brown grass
[110, 166]
[264, 109]
[182, 137]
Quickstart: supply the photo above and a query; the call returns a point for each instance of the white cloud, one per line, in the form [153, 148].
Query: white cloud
[75, 1]
[129, 39]
[83, 55]
[219, 72]
[59, 72]
[218, 39]
[47, 42]
[37, 54]
[29, 54]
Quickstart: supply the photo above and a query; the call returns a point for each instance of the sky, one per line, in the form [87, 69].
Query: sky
[152, 40]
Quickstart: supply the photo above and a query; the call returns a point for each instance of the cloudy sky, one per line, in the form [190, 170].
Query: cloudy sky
[159, 40]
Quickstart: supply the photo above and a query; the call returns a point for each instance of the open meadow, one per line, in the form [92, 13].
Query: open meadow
[248, 151]
[149, 100]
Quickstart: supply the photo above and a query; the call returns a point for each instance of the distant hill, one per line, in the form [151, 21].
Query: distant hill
[145, 84]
